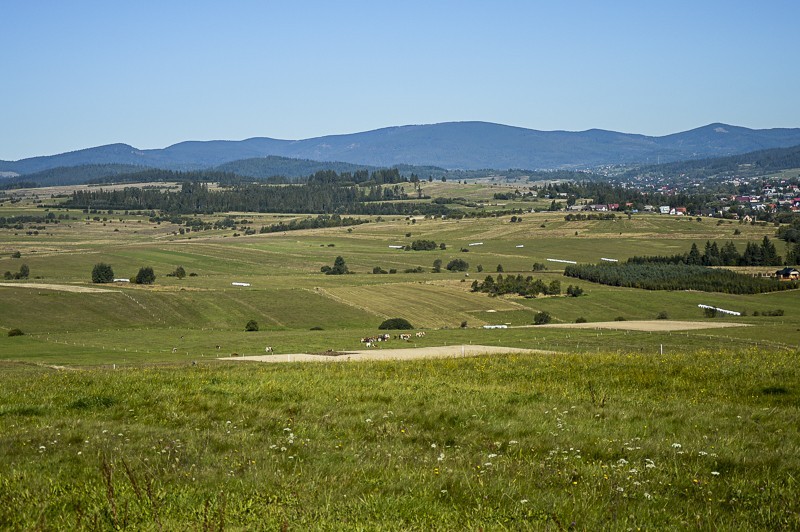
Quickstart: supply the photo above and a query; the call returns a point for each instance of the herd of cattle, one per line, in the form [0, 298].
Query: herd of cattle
[370, 341]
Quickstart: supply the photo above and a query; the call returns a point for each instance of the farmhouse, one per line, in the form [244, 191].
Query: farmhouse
[787, 274]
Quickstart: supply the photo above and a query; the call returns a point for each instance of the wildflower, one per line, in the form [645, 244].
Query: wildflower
[513, 442]
[523, 501]
[433, 446]
[441, 457]
[492, 455]
[647, 496]
[368, 420]
[676, 446]
[715, 473]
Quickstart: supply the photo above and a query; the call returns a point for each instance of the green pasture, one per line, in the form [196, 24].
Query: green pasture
[289, 296]
[585, 441]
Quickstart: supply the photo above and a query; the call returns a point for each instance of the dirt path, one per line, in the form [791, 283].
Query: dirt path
[450, 351]
[645, 325]
[60, 287]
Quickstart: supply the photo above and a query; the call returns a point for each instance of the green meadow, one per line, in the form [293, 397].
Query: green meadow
[116, 411]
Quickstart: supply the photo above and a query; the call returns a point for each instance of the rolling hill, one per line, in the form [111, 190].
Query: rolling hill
[452, 145]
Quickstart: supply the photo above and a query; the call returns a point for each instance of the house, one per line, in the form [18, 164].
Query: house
[787, 274]
[680, 211]
[664, 209]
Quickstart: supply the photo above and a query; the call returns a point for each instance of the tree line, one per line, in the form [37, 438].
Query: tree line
[675, 276]
[763, 254]
[197, 198]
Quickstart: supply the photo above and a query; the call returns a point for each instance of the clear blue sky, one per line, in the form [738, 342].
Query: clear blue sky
[77, 74]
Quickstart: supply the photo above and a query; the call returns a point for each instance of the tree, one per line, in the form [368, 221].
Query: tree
[145, 276]
[251, 326]
[541, 318]
[395, 324]
[457, 265]
[437, 265]
[500, 268]
[24, 272]
[339, 267]
[179, 272]
[102, 273]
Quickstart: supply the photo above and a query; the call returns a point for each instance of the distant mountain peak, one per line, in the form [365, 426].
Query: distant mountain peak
[465, 145]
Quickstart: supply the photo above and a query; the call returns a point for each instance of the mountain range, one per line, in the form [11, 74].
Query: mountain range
[450, 145]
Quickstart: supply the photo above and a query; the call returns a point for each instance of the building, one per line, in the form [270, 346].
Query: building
[787, 274]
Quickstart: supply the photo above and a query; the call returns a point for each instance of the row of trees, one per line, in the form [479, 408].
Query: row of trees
[523, 286]
[668, 276]
[323, 220]
[196, 198]
[763, 254]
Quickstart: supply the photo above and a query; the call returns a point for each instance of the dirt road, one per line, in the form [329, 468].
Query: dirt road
[450, 351]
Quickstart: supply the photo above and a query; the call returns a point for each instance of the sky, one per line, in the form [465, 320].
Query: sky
[150, 74]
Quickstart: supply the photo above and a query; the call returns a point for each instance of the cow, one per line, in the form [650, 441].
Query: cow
[268, 349]
[420, 334]
[174, 349]
[405, 337]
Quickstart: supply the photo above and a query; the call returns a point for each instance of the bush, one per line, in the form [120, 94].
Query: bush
[24, 272]
[581, 320]
[541, 318]
[316, 328]
[15, 332]
[574, 291]
[711, 312]
[179, 272]
[620, 318]
[16, 255]
[145, 276]
[251, 326]
[102, 273]
[662, 315]
[457, 265]
[395, 324]
[464, 324]
[378, 269]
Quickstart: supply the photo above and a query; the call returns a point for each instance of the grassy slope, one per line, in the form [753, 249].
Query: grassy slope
[591, 441]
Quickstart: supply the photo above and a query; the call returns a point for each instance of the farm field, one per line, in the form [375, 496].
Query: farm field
[118, 408]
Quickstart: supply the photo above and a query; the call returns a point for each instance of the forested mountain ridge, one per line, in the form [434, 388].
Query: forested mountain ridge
[451, 145]
[751, 163]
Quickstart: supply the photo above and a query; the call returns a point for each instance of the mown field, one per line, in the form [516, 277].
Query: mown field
[115, 411]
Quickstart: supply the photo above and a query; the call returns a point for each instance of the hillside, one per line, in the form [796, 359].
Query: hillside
[452, 145]
[746, 164]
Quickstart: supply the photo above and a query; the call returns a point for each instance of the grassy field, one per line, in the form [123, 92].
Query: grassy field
[116, 413]
[580, 441]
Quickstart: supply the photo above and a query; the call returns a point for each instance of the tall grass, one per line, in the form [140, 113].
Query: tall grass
[585, 441]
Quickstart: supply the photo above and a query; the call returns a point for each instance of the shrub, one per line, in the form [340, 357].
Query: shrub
[500, 268]
[378, 269]
[619, 318]
[464, 324]
[457, 265]
[710, 312]
[24, 272]
[15, 332]
[395, 324]
[662, 315]
[145, 276]
[16, 255]
[179, 272]
[316, 328]
[580, 320]
[538, 266]
[251, 326]
[102, 273]
[541, 318]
